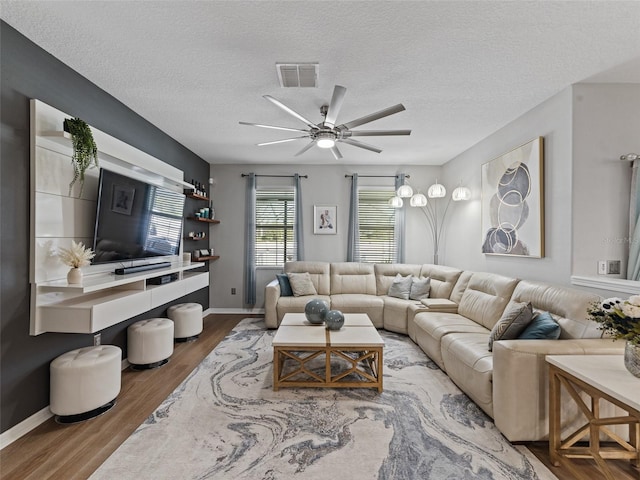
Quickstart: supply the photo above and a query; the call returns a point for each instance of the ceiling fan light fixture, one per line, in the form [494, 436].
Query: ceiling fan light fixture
[325, 140]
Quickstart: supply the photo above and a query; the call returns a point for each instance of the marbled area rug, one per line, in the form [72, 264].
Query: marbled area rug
[226, 422]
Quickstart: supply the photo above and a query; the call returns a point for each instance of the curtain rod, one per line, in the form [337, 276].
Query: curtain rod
[377, 176]
[277, 176]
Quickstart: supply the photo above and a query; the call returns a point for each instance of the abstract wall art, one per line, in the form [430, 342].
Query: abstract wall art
[513, 202]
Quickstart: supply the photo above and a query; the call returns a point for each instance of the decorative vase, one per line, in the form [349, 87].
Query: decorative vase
[315, 311]
[334, 319]
[632, 358]
[74, 276]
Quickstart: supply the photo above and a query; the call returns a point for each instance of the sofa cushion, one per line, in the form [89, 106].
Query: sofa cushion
[443, 279]
[285, 285]
[301, 284]
[401, 287]
[542, 326]
[372, 305]
[420, 288]
[567, 306]
[470, 366]
[350, 277]
[296, 304]
[319, 272]
[386, 273]
[486, 297]
[429, 328]
[514, 320]
[396, 314]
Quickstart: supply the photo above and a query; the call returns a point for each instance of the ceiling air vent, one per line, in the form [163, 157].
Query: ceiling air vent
[297, 74]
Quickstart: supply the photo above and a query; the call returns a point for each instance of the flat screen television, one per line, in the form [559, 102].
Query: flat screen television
[135, 220]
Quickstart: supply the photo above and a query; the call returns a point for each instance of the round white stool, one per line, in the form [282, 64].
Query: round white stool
[84, 382]
[187, 318]
[149, 343]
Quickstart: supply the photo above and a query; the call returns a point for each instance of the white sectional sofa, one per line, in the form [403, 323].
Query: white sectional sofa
[453, 325]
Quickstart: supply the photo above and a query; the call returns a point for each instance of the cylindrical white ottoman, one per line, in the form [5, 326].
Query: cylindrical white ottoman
[187, 319]
[149, 343]
[84, 382]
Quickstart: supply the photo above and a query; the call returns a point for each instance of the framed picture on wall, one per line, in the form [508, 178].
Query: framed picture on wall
[122, 199]
[513, 202]
[325, 219]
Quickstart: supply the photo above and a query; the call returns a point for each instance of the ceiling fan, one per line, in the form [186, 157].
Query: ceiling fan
[326, 133]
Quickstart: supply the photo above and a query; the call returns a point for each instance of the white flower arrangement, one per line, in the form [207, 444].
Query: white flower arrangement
[619, 318]
[77, 256]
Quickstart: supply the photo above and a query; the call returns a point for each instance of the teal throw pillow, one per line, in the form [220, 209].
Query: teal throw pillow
[285, 286]
[543, 326]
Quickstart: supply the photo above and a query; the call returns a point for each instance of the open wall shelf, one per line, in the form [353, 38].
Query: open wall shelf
[206, 220]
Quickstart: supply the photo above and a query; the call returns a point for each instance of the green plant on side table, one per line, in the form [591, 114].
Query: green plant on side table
[85, 151]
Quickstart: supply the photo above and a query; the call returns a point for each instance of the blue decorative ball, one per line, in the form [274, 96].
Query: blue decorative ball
[315, 311]
[334, 319]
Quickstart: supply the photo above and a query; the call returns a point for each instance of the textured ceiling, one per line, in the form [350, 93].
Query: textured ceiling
[462, 69]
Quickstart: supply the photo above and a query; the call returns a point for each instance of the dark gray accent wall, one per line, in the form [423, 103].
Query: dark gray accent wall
[27, 71]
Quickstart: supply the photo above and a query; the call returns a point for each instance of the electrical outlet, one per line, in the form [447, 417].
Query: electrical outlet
[608, 267]
[97, 339]
[602, 267]
[233, 291]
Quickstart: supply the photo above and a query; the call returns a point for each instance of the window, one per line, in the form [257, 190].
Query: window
[377, 226]
[275, 217]
[165, 221]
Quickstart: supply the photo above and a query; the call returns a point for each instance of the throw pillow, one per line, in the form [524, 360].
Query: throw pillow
[401, 287]
[514, 320]
[420, 288]
[542, 326]
[301, 284]
[285, 286]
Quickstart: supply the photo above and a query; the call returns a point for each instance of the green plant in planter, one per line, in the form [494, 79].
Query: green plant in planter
[85, 151]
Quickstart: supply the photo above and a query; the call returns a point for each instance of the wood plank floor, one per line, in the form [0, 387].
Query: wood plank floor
[74, 452]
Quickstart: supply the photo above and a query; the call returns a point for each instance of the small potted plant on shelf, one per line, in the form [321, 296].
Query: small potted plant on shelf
[85, 151]
[77, 256]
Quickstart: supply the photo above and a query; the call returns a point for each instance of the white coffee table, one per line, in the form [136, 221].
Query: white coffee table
[352, 355]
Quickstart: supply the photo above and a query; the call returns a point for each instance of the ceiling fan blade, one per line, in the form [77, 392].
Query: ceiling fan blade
[282, 141]
[374, 116]
[278, 103]
[375, 133]
[272, 126]
[336, 153]
[357, 143]
[334, 107]
[305, 148]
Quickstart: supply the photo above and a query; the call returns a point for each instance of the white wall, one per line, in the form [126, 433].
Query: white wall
[552, 120]
[326, 185]
[606, 124]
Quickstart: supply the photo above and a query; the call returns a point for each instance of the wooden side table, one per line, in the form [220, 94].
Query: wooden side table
[601, 377]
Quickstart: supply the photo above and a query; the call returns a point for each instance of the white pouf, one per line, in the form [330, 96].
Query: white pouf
[187, 319]
[84, 382]
[150, 343]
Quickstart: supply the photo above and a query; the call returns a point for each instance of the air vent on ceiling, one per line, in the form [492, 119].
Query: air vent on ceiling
[298, 74]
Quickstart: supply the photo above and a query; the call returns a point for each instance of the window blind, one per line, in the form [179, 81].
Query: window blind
[275, 220]
[377, 226]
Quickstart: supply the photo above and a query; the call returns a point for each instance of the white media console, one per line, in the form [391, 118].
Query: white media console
[105, 299]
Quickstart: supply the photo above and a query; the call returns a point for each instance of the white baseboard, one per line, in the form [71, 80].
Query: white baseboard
[242, 311]
[24, 427]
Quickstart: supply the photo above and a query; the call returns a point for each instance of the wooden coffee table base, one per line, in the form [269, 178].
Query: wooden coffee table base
[363, 364]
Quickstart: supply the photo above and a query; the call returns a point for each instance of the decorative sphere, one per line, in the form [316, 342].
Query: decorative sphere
[315, 311]
[334, 319]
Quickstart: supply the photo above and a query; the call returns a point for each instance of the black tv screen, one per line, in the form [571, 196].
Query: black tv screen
[135, 220]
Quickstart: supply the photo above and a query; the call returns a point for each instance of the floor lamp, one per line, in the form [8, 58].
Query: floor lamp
[433, 212]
